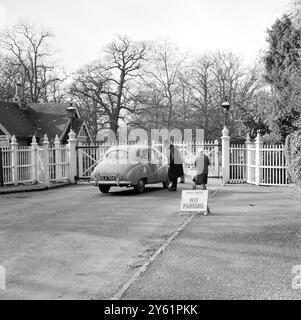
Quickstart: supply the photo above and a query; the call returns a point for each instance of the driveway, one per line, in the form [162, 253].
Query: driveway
[245, 250]
[76, 243]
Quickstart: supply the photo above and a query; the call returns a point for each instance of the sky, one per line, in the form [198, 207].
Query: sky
[84, 27]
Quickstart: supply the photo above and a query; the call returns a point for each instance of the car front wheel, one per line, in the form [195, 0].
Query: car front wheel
[140, 186]
[104, 188]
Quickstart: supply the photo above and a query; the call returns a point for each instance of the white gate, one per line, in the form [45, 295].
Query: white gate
[88, 155]
[258, 163]
[189, 152]
[237, 164]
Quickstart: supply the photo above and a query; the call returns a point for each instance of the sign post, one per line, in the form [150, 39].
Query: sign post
[194, 201]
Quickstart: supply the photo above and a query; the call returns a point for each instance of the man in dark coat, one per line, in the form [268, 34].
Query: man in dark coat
[175, 165]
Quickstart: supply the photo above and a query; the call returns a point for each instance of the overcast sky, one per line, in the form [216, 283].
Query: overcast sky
[83, 27]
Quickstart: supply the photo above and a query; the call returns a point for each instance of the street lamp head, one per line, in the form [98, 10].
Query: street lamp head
[71, 111]
[226, 105]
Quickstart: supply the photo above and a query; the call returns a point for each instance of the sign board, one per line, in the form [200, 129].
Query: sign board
[194, 201]
[4, 141]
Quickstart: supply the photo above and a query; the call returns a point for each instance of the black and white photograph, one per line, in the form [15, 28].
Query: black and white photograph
[150, 151]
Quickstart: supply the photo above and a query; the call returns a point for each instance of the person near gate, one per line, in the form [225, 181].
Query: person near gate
[175, 164]
[201, 164]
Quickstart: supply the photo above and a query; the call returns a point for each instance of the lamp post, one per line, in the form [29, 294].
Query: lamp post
[226, 107]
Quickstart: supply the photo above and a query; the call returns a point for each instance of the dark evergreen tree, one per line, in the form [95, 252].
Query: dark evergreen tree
[283, 68]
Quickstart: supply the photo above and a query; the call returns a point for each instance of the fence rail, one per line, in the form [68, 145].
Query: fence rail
[32, 164]
[252, 162]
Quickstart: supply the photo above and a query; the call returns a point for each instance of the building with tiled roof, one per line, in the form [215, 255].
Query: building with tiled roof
[25, 120]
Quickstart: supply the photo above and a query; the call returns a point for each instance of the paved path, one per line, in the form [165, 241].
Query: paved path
[76, 243]
[245, 250]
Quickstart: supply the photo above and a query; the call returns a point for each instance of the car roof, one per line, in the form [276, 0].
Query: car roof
[128, 146]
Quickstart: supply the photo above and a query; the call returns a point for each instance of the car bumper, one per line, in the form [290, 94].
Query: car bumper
[121, 183]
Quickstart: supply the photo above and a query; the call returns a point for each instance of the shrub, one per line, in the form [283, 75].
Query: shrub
[293, 156]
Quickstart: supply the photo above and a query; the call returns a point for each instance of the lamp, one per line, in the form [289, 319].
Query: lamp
[226, 107]
[71, 113]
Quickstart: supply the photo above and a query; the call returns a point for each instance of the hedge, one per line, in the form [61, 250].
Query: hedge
[293, 156]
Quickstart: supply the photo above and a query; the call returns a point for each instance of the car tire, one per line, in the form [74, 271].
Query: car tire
[104, 188]
[140, 186]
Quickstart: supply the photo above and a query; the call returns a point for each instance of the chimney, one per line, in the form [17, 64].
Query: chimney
[19, 93]
[18, 98]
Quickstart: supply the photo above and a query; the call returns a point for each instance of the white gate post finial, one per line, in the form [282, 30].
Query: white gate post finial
[57, 140]
[34, 152]
[225, 155]
[72, 135]
[72, 156]
[14, 159]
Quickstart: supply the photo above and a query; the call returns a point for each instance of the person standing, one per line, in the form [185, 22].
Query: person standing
[175, 165]
[201, 163]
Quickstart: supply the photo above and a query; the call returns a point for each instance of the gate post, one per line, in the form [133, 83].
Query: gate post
[216, 157]
[58, 157]
[258, 144]
[1, 170]
[72, 156]
[225, 155]
[248, 159]
[46, 159]
[14, 159]
[34, 155]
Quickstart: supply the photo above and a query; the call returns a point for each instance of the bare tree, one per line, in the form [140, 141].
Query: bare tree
[109, 85]
[29, 45]
[162, 77]
[9, 72]
[202, 82]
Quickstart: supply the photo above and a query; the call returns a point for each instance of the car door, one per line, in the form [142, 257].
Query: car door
[152, 167]
[157, 158]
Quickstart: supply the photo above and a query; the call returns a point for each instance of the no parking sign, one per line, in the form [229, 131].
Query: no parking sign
[194, 201]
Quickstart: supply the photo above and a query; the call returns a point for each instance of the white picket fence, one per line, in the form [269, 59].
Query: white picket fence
[32, 164]
[258, 163]
[252, 162]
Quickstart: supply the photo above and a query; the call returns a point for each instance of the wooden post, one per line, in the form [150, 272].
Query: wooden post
[216, 169]
[46, 159]
[34, 155]
[225, 155]
[14, 159]
[248, 159]
[72, 156]
[258, 145]
[58, 157]
[1, 170]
